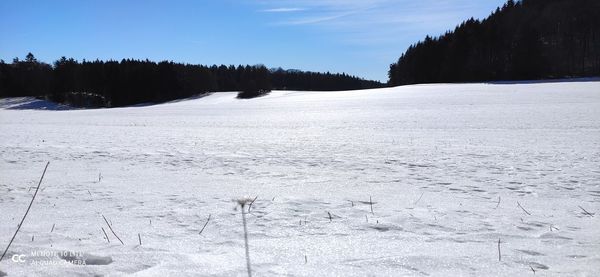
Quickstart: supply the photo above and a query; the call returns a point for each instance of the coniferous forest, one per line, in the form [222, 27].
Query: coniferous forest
[523, 40]
[128, 82]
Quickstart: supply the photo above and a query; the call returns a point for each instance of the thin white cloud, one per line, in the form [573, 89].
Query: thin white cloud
[364, 15]
[283, 10]
[315, 19]
[320, 12]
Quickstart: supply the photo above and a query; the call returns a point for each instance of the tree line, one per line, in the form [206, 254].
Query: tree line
[306, 80]
[522, 40]
[128, 82]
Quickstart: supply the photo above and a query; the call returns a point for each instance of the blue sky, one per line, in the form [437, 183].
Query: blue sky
[359, 37]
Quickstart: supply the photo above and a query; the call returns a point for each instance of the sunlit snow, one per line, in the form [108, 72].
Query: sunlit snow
[441, 166]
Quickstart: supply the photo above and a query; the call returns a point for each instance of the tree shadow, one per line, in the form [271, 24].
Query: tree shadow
[588, 79]
[30, 103]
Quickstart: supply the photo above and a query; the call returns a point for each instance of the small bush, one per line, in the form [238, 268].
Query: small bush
[252, 94]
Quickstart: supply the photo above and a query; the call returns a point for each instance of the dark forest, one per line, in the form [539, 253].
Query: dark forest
[128, 82]
[523, 40]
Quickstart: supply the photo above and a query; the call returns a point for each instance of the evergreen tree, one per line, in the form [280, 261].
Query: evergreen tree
[528, 39]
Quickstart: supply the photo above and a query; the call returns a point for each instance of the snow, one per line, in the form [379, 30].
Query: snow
[444, 165]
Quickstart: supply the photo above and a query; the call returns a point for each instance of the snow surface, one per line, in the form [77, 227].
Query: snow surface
[444, 165]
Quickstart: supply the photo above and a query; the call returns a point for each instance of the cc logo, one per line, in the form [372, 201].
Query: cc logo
[18, 258]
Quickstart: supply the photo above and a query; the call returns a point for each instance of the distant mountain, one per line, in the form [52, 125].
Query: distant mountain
[528, 39]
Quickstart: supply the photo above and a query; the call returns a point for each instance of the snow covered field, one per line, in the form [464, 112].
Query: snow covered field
[444, 165]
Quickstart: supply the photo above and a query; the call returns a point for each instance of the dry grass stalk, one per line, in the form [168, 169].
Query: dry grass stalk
[206, 223]
[111, 229]
[419, 198]
[252, 202]
[105, 235]
[243, 202]
[26, 212]
[499, 253]
[519, 205]
[586, 212]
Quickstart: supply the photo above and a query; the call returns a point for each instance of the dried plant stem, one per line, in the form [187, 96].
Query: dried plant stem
[586, 212]
[250, 204]
[246, 241]
[26, 212]
[419, 198]
[499, 253]
[111, 229]
[519, 205]
[206, 223]
[105, 235]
